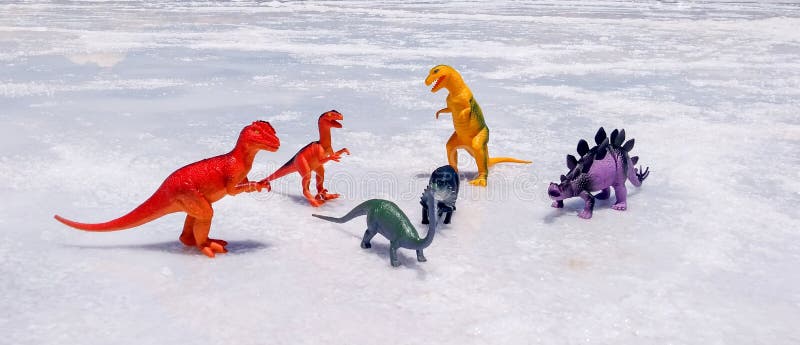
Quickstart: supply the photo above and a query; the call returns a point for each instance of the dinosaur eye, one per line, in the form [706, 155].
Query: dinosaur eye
[257, 132]
[436, 71]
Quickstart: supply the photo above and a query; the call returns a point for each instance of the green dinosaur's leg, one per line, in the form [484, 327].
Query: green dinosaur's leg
[420, 256]
[480, 150]
[393, 254]
[452, 151]
[368, 235]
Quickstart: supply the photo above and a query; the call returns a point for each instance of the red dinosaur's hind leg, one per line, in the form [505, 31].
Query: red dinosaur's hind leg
[305, 172]
[200, 209]
[187, 236]
[322, 193]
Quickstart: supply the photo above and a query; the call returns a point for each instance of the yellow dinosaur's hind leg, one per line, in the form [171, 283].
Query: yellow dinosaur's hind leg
[480, 151]
[452, 151]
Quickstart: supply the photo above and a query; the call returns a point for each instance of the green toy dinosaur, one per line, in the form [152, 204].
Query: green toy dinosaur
[385, 217]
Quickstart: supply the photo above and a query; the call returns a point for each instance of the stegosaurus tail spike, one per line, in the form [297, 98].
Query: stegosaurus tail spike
[571, 162]
[583, 147]
[620, 139]
[600, 136]
[629, 145]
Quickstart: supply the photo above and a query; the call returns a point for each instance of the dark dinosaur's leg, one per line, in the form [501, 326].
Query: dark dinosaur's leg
[588, 207]
[558, 204]
[187, 236]
[622, 194]
[393, 254]
[322, 193]
[604, 194]
[447, 217]
[420, 256]
[425, 214]
[199, 208]
[368, 235]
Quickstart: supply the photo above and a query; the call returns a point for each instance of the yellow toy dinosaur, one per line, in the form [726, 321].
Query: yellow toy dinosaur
[471, 132]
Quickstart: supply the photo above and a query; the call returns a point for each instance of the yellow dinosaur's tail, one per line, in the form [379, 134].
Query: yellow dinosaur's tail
[495, 160]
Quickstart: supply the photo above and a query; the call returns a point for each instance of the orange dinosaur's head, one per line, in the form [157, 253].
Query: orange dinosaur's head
[261, 135]
[441, 76]
[330, 119]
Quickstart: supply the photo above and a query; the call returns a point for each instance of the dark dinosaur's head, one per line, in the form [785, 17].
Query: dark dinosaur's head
[441, 76]
[260, 135]
[330, 119]
[561, 191]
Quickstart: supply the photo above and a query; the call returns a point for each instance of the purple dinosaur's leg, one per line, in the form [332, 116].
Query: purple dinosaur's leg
[587, 209]
[622, 193]
[604, 194]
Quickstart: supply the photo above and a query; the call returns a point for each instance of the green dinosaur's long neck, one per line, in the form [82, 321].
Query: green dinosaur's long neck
[425, 242]
[433, 222]
[325, 137]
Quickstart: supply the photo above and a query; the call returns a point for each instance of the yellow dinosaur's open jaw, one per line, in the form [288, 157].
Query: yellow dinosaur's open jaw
[436, 84]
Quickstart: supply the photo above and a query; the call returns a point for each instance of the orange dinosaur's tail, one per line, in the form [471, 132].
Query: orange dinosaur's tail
[286, 169]
[153, 208]
[495, 160]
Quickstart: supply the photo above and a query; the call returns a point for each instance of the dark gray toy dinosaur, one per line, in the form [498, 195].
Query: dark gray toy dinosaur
[599, 168]
[444, 181]
[385, 217]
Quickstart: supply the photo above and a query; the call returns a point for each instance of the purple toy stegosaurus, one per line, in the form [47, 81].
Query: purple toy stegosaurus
[601, 167]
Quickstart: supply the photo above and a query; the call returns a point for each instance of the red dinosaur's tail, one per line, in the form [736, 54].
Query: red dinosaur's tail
[286, 169]
[153, 208]
[495, 160]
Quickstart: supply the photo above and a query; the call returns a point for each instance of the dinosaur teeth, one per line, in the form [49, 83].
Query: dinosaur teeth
[438, 81]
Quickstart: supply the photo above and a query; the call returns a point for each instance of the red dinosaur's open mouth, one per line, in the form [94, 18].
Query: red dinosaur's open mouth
[436, 84]
[336, 124]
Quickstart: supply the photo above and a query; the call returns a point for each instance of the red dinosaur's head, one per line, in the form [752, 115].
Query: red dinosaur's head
[440, 76]
[261, 135]
[330, 119]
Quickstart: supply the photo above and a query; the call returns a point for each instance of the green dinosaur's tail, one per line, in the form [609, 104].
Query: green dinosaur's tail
[358, 211]
[495, 160]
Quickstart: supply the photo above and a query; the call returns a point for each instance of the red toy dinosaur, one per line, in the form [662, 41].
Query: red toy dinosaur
[312, 157]
[193, 188]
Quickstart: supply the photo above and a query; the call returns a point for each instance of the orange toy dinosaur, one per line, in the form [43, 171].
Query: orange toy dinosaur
[312, 157]
[193, 188]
